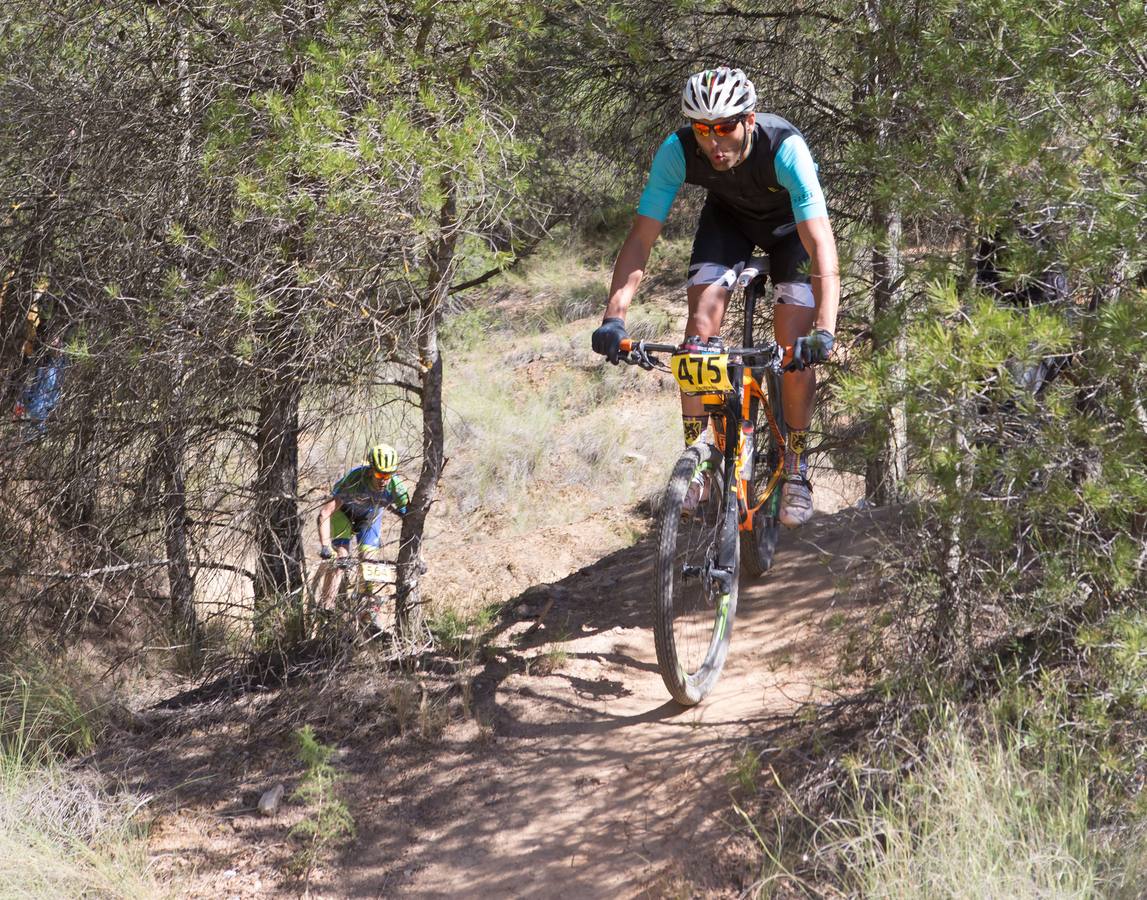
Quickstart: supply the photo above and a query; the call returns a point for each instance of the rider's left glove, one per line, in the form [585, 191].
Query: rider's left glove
[607, 338]
[813, 348]
[326, 551]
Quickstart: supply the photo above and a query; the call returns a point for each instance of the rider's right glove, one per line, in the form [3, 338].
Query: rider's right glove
[326, 551]
[813, 348]
[608, 337]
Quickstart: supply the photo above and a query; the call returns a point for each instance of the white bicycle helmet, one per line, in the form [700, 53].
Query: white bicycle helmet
[718, 94]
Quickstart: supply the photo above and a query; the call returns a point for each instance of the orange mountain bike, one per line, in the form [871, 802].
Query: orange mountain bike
[738, 465]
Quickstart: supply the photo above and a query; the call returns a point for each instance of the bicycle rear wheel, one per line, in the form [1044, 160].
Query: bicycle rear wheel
[694, 607]
[759, 545]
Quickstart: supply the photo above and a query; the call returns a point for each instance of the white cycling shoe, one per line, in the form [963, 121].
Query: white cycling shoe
[796, 502]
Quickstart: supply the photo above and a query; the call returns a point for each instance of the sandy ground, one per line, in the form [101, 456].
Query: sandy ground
[597, 784]
[567, 773]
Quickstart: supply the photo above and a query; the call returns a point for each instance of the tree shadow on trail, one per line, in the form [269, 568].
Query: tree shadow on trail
[582, 779]
[587, 786]
[615, 595]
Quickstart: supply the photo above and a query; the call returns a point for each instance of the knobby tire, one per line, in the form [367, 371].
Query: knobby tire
[693, 622]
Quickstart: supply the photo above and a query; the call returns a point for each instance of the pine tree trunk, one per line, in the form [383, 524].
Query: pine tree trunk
[955, 604]
[279, 574]
[886, 473]
[410, 618]
[409, 610]
[180, 577]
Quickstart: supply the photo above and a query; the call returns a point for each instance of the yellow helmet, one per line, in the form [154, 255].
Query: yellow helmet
[383, 458]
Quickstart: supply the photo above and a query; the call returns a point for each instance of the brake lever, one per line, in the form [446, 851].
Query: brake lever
[639, 356]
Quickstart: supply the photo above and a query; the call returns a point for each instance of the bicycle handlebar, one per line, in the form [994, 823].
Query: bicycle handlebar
[637, 353]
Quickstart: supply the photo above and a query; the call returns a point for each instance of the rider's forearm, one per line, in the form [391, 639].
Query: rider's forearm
[826, 294]
[627, 275]
[324, 522]
[824, 269]
[629, 268]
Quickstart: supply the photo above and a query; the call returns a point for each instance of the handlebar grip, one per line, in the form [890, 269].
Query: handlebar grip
[626, 345]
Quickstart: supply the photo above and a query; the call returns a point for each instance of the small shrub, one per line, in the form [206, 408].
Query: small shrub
[449, 628]
[647, 323]
[460, 635]
[552, 660]
[328, 819]
[578, 301]
[746, 770]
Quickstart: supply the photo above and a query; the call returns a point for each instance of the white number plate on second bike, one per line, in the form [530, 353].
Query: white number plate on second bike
[700, 373]
[375, 572]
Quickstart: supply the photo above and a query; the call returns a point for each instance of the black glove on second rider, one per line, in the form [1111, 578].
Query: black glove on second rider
[607, 338]
[813, 348]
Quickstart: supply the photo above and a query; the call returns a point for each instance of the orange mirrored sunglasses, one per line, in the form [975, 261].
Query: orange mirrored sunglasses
[721, 129]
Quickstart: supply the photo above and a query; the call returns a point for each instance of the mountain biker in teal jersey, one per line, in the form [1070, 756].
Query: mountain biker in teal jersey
[355, 507]
[762, 192]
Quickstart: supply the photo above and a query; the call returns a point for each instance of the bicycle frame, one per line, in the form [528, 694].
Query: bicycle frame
[751, 280]
[735, 408]
[740, 405]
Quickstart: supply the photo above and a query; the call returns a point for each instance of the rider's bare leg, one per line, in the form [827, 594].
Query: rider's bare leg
[707, 304]
[333, 579]
[789, 323]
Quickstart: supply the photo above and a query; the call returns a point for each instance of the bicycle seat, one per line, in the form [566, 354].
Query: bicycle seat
[758, 266]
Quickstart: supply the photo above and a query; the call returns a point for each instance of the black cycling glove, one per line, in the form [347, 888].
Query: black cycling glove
[607, 338]
[813, 348]
[326, 551]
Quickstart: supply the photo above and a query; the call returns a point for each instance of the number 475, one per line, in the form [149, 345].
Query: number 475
[694, 369]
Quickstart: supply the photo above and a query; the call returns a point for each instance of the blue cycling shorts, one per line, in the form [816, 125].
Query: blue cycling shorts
[368, 530]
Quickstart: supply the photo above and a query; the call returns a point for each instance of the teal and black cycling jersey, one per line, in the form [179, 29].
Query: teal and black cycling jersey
[360, 499]
[776, 183]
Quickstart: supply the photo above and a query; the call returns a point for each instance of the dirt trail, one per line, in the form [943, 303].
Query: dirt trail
[593, 783]
[583, 781]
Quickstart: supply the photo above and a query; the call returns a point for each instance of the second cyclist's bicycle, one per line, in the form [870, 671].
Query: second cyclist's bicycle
[365, 584]
[735, 472]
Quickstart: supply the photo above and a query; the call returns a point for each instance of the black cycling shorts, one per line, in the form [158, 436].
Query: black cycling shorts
[727, 240]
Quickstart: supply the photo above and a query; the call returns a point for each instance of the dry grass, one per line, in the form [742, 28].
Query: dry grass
[61, 834]
[63, 837]
[560, 421]
[976, 822]
[974, 819]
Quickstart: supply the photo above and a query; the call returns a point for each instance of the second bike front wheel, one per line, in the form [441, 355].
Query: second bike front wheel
[695, 601]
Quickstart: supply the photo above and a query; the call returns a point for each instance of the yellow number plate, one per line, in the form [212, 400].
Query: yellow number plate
[698, 373]
[374, 572]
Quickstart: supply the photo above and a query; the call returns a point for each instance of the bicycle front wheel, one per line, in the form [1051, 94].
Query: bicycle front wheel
[696, 599]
